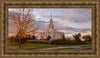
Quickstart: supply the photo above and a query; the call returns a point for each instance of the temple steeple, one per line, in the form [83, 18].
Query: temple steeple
[51, 26]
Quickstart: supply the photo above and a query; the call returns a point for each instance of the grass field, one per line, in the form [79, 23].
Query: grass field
[30, 46]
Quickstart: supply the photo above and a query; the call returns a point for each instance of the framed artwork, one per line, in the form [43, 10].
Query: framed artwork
[49, 28]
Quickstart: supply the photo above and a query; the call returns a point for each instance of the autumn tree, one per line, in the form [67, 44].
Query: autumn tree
[22, 22]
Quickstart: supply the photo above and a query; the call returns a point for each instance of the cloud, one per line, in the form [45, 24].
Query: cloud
[37, 17]
[63, 26]
[79, 16]
[43, 24]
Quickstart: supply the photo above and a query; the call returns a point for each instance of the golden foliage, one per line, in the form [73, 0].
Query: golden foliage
[24, 22]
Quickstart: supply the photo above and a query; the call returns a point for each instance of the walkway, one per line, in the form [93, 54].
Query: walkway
[74, 47]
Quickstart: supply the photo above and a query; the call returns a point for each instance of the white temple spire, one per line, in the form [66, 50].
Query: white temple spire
[51, 26]
[51, 15]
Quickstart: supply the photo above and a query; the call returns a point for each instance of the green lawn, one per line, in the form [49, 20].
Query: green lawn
[86, 46]
[30, 46]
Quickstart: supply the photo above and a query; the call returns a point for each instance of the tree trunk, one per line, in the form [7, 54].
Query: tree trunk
[19, 42]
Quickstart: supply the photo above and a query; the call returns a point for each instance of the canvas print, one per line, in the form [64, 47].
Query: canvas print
[49, 29]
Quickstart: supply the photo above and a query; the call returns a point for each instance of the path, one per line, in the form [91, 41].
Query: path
[76, 47]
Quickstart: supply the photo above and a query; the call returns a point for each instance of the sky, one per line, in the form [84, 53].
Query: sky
[67, 20]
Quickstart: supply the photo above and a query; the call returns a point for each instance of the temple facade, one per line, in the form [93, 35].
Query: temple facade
[53, 33]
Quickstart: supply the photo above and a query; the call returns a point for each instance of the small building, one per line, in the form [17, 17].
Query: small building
[53, 33]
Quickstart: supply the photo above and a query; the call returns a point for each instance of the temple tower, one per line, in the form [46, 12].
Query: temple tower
[51, 25]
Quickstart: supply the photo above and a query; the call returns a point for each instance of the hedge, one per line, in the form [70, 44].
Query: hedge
[38, 41]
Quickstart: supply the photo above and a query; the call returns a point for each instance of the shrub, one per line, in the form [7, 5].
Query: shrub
[16, 39]
[68, 39]
[12, 39]
[58, 41]
[75, 42]
[38, 41]
[87, 38]
[22, 40]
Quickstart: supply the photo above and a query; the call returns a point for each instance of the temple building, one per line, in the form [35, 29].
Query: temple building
[53, 33]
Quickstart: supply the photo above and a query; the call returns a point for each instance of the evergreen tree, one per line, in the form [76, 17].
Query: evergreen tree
[48, 37]
[33, 37]
[63, 37]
